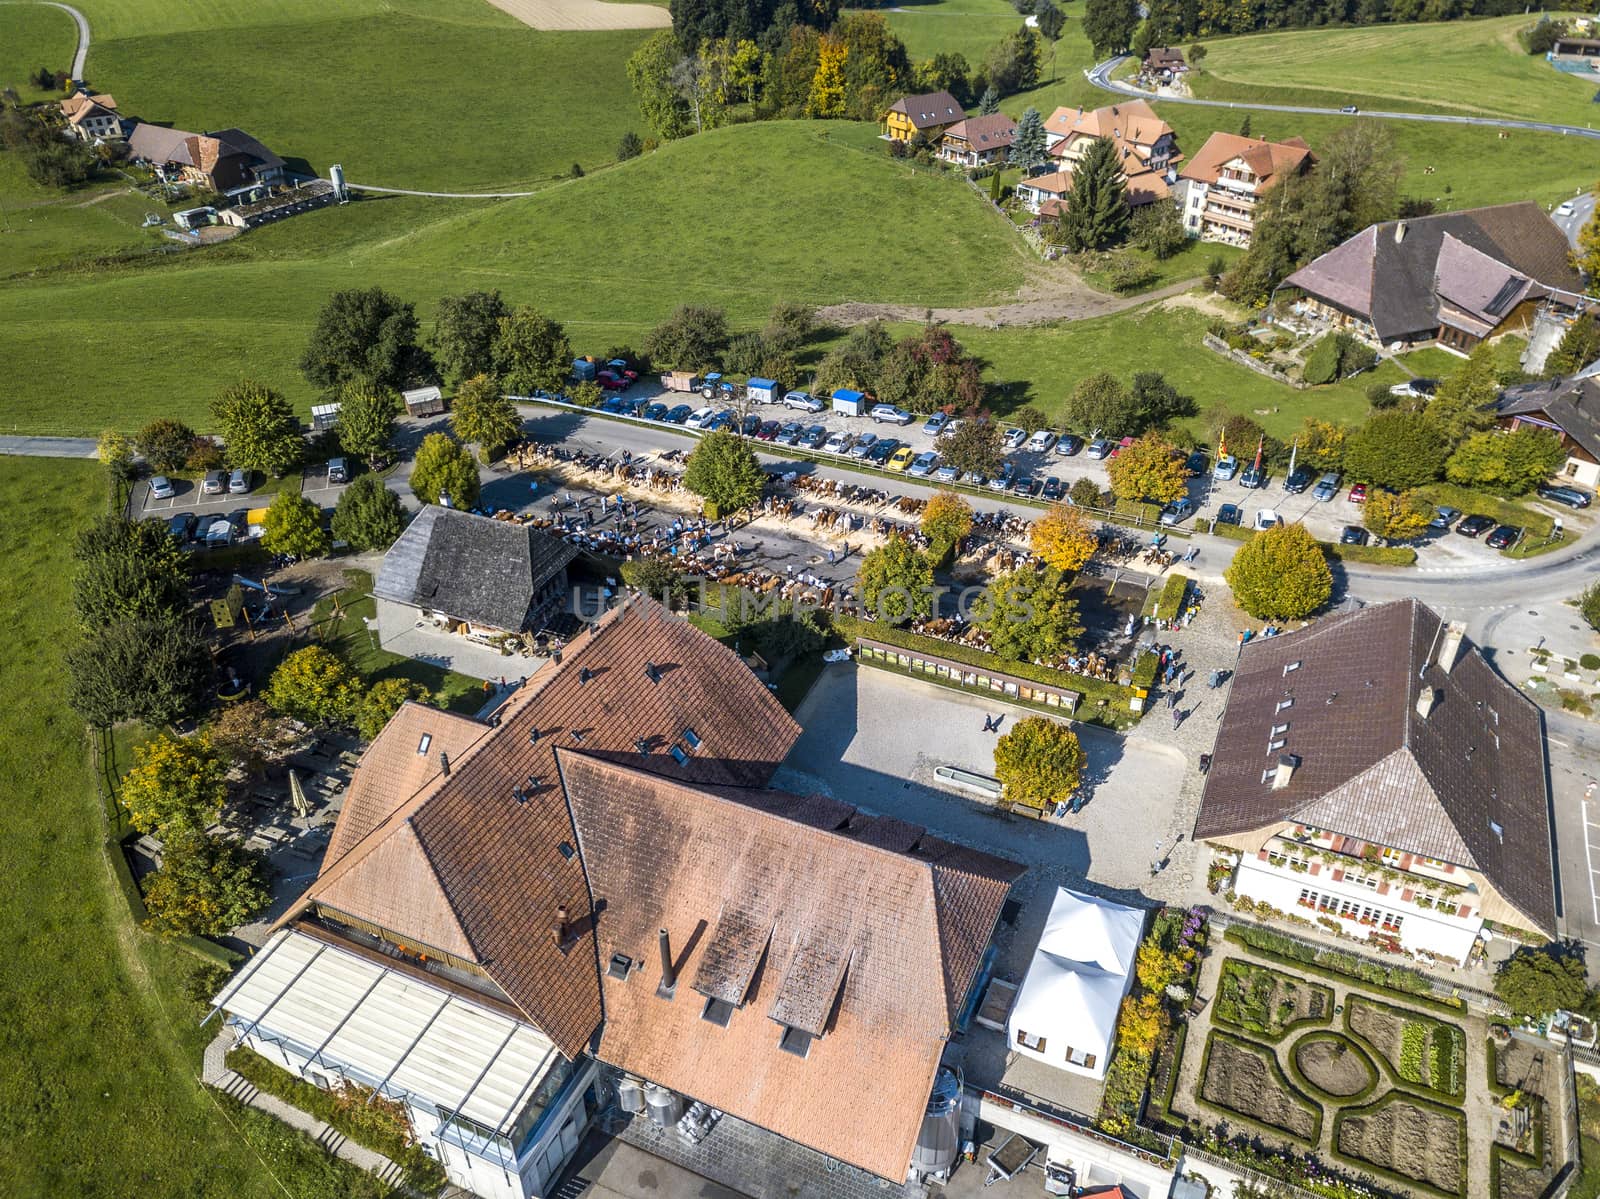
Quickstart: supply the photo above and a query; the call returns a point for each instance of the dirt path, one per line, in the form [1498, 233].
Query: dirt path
[1059, 295]
[585, 14]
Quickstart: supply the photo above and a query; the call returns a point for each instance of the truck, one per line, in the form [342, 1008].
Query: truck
[681, 381]
[851, 403]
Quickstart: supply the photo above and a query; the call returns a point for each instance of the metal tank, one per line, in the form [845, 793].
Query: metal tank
[664, 1105]
[939, 1142]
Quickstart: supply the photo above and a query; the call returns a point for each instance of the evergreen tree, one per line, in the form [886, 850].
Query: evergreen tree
[1109, 25]
[1028, 147]
[1580, 345]
[990, 103]
[1587, 256]
[1096, 213]
[1244, 126]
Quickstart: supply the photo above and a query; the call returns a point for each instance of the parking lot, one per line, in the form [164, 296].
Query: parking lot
[189, 498]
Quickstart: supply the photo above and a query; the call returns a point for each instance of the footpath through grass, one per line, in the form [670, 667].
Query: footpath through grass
[99, 1096]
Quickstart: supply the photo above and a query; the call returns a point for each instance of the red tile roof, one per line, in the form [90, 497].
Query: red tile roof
[1266, 160]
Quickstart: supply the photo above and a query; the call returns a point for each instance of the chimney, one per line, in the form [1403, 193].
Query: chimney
[1450, 648]
[558, 930]
[1399, 232]
[444, 762]
[1426, 699]
[669, 976]
[1285, 771]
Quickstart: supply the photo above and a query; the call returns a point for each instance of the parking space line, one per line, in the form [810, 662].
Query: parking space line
[1588, 853]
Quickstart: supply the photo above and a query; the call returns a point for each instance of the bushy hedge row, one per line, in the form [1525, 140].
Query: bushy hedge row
[1399, 981]
[1173, 591]
[1378, 555]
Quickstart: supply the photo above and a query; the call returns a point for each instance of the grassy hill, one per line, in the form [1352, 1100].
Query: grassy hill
[33, 36]
[1470, 67]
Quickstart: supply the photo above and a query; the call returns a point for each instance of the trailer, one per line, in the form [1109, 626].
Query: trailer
[850, 403]
[1012, 1157]
[585, 370]
[762, 391]
[681, 381]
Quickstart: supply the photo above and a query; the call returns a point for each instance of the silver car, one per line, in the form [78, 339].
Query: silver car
[239, 482]
[804, 401]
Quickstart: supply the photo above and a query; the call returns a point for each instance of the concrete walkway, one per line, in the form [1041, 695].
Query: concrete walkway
[215, 1073]
[49, 447]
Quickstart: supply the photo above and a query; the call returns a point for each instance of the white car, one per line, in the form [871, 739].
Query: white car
[838, 443]
[161, 488]
[889, 413]
[1041, 441]
[1266, 518]
[1565, 208]
[700, 418]
[950, 427]
[804, 401]
[1014, 438]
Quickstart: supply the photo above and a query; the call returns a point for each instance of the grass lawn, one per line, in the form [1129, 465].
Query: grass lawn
[970, 28]
[1188, 263]
[99, 1096]
[34, 36]
[72, 228]
[1472, 67]
[491, 103]
[348, 635]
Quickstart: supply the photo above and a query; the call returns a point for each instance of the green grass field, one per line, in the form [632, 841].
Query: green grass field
[1472, 67]
[967, 27]
[99, 1097]
[33, 36]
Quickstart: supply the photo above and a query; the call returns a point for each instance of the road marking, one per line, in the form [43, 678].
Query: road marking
[1588, 854]
[1554, 741]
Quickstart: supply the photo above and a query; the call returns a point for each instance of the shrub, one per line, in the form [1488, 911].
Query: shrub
[1590, 661]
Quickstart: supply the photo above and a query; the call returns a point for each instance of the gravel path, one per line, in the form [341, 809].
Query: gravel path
[1059, 296]
[585, 14]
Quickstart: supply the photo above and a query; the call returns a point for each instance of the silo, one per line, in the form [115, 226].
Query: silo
[939, 1142]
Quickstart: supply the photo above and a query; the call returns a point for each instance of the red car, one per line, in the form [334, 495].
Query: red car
[1358, 493]
[1120, 446]
[768, 430]
[612, 382]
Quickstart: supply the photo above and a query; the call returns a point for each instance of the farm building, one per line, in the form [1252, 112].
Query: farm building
[218, 161]
[92, 118]
[1374, 773]
[601, 880]
[1065, 1013]
[423, 401]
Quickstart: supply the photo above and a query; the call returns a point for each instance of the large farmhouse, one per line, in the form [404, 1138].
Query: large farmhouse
[1374, 774]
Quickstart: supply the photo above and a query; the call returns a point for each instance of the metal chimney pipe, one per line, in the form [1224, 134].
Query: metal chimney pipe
[444, 762]
[669, 976]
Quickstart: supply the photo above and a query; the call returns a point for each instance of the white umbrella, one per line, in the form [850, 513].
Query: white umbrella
[297, 796]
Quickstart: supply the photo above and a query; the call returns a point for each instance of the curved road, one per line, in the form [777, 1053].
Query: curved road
[83, 32]
[1100, 77]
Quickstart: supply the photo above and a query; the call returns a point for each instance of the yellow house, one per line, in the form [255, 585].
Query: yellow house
[929, 115]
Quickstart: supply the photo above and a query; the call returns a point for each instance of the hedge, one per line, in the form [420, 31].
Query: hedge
[1163, 1101]
[368, 1126]
[1173, 592]
[1244, 967]
[1282, 1079]
[1311, 1088]
[1232, 532]
[1397, 1096]
[1260, 940]
[1393, 1068]
[1378, 555]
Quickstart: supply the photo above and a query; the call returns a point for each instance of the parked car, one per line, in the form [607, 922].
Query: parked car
[216, 530]
[1120, 446]
[936, 423]
[611, 381]
[1197, 463]
[655, 412]
[1227, 466]
[837, 443]
[1099, 448]
[1177, 512]
[1069, 444]
[1443, 518]
[884, 449]
[974, 478]
[901, 459]
[1002, 481]
[1014, 438]
[239, 483]
[948, 474]
[790, 434]
[1254, 477]
[1504, 537]
[182, 526]
[722, 420]
[161, 488]
[678, 414]
[1053, 491]
[700, 418]
[888, 414]
[769, 429]
[1415, 389]
[813, 437]
[1358, 493]
[804, 401]
[1570, 496]
[1327, 487]
[239, 518]
[1474, 526]
[1041, 442]
[1230, 514]
[1354, 535]
[950, 426]
[1025, 486]
[338, 470]
[863, 445]
[1297, 480]
[214, 483]
[922, 466]
[1266, 518]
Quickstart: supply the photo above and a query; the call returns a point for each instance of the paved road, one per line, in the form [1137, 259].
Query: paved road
[48, 447]
[1100, 77]
[83, 32]
[1582, 210]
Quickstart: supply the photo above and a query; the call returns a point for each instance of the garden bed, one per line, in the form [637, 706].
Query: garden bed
[1332, 1065]
[1242, 1078]
[1422, 1052]
[1404, 1136]
[1267, 1003]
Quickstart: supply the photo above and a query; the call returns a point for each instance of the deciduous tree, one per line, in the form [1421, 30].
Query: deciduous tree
[1100, 404]
[1158, 230]
[1321, 444]
[366, 333]
[368, 515]
[1396, 449]
[1580, 345]
[176, 785]
[724, 472]
[531, 352]
[207, 886]
[165, 444]
[1587, 256]
[314, 685]
[1464, 403]
[481, 413]
[115, 453]
[690, 339]
[946, 519]
[1039, 762]
[366, 421]
[1086, 493]
[444, 471]
[1109, 24]
[1397, 517]
[827, 96]
[259, 428]
[249, 736]
[1537, 981]
[1154, 403]
[382, 700]
[1029, 614]
[464, 329]
[148, 670]
[1063, 537]
[1149, 469]
[650, 74]
[1030, 419]
[1589, 605]
[128, 570]
[1280, 574]
[1506, 463]
[896, 581]
[293, 525]
[976, 447]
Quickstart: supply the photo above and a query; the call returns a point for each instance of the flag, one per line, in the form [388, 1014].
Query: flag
[1222, 444]
[1259, 443]
[1294, 451]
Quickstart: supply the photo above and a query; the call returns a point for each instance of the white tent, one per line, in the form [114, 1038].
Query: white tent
[1065, 1014]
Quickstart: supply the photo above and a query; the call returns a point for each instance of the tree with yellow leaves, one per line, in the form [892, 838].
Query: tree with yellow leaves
[1149, 469]
[177, 785]
[827, 85]
[947, 518]
[1587, 256]
[1063, 538]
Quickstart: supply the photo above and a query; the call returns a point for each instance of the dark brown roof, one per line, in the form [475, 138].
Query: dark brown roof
[800, 911]
[993, 132]
[1388, 273]
[1572, 405]
[929, 111]
[1463, 784]
[482, 856]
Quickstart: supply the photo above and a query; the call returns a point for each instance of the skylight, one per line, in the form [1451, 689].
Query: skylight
[422, 746]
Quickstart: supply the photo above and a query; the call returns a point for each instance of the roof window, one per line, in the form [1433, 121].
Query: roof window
[796, 1041]
[1286, 702]
[718, 1012]
[422, 746]
[691, 738]
[566, 850]
[678, 756]
[1280, 728]
[1289, 666]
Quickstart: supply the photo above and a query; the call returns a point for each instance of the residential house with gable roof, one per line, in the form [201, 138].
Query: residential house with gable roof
[979, 141]
[1373, 773]
[596, 890]
[1570, 408]
[220, 161]
[929, 115]
[92, 118]
[1220, 188]
[1147, 147]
